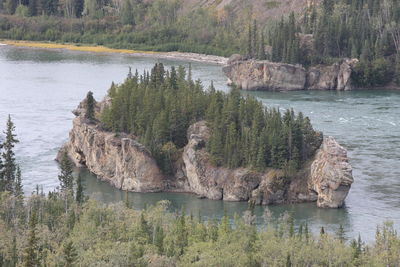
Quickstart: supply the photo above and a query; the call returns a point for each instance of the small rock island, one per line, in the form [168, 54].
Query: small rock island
[162, 131]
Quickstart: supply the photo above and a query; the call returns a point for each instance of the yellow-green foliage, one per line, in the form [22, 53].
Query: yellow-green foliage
[114, 235]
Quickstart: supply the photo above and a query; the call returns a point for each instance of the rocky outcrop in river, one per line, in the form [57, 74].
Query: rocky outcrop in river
[266, 75]
[126, 164]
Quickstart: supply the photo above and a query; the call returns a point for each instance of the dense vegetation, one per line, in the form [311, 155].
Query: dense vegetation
[365, 29]
[55, 230]
[135, 24]
[322, 33]
[159, 107]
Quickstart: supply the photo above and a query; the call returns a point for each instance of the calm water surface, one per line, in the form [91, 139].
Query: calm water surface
[39, 88]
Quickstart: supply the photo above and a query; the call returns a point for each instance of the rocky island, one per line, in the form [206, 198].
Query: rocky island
[121, 159]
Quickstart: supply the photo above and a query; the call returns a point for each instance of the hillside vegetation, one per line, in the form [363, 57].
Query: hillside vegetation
[307, 32]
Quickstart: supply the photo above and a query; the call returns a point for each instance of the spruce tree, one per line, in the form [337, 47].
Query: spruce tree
[127, 16]
[18, 191]
[340, 234]
[90, 104]
[65, 177]
[31, 251]
[8, 172]
[249, 43]
[261, 53]
[79, 196]
[69, 254]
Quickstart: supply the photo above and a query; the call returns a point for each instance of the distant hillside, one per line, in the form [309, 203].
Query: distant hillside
[261, 10]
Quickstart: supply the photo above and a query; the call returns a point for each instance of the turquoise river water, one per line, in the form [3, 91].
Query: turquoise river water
[39, 88]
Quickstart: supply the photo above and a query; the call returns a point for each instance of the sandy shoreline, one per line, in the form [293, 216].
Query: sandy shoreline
[102, 49]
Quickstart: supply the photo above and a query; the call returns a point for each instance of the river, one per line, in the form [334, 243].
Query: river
[39, 88]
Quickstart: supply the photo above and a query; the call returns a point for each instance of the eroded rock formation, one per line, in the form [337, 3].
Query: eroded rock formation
[126, 164]
[266, 75]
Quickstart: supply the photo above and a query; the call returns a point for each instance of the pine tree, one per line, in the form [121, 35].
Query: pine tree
[288, 261]
[90, 104]
[249, 43]
[9, 167]
[65, 177]
[127, 16]
[32, 8]
[340, 234]
[31, 251]
[261, 53]
[79, 4]
[79, 196]
[18, 191]
[14, 252]
[69, 254]
[159, 239]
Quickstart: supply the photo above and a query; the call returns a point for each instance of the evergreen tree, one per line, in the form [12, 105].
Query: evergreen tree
[31, 251]
[9, 167]
[249, 43]
[79, 196]
[18, 191]
[159, 239]
[79, 4]
[341, 234]
[127, 16]
[33, 8]
[288, 261]
[65, 177]
[261, 53]
[90, 105]
[69, 254]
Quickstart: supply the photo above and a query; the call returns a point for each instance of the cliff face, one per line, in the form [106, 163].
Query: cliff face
[326, 179]
[119, 160]
[266, 75]
[128, 165]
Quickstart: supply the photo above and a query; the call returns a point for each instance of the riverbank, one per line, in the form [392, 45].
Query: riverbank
[102, 49]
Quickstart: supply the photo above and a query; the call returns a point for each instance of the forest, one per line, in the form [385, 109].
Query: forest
[159, 106]
[322, 33]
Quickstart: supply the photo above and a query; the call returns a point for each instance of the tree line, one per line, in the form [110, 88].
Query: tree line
[44, 231]
[133, 24]
[159, 106]
[363, 29]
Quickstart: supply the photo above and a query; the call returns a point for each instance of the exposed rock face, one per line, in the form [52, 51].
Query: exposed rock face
[333, 77]
[120, 160]
[326, 179]
[266, 75]
[128, 165]
[210, 181]
[331, 174]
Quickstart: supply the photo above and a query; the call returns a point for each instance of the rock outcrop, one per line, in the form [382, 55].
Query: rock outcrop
[126, 164]
[326, 179]
[266, 75]
[117, 159]
[331, 174]
[331, 77]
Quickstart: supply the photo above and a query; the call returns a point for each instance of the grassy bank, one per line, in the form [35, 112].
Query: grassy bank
[73, 47]
[103, 49]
